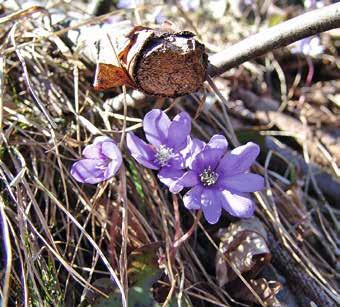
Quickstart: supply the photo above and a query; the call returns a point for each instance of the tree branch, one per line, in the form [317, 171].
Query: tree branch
[282, 35]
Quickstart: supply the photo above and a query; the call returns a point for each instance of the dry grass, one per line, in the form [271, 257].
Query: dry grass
[59, 237]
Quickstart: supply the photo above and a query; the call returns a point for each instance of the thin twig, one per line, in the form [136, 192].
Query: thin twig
[187, 235]
[7, 248]
[2, 73]
[282, 35]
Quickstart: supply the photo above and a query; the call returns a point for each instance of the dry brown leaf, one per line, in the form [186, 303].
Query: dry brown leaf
[292, 206]
[109, 76]
[266, 290]
[244, 244]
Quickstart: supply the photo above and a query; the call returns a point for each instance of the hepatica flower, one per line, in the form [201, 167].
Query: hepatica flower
[102, 160]
[166, 140]
[218, 179]
[308, 46]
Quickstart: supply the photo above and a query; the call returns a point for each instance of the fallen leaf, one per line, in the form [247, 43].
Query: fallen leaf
[143, 272]
[266, 290]
[294, 210]
[109, 76]
[244, 245]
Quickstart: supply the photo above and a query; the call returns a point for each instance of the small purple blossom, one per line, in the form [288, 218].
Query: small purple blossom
[102, 161]
[219, 179]
[312, 45]
[190, 5]
[167, 138]
[313, 4]
[128, 4]
[308, 46]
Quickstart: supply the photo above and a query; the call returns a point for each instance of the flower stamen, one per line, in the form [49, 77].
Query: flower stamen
[208, 177]
[163, 155]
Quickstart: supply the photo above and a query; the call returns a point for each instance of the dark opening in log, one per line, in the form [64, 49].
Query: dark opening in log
[170, 64]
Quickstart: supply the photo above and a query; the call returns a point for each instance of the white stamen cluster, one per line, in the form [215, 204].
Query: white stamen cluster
[208, 177]
[163, 155]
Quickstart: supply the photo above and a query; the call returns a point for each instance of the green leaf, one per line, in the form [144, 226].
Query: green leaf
[143, 272]
[135, 178]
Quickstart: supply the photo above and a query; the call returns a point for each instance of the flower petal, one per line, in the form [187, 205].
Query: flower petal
[88, 171]
[141, 151]
[101, 139]
[211, 205]
[156, 126]
[239, 159]
[247, 182]
[112, 168]
[238, 204]
[111, 150]
[179, 130]
[208, 157]
[192, 199]
[218, 141]
[194, 147]
[176, 162]
[169, 175]
[188, 180]
[93, 151]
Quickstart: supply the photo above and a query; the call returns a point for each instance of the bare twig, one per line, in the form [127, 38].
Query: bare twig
[305, 287]
[24, 13]
[285, 33]
[2, 69]
[187, 235]
[282, 35]
[8, 251]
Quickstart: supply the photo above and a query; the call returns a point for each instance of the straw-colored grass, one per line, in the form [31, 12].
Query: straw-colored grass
[59, 237]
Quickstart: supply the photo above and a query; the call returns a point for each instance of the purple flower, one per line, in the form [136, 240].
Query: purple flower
[128, 4]
[220, 179]
[190, 5]
[308, 46]
[167, 138]
[313, 4]
[102, 161]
